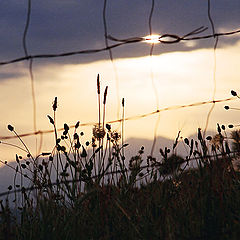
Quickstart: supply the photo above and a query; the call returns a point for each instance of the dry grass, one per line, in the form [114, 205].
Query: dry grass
[91, 191]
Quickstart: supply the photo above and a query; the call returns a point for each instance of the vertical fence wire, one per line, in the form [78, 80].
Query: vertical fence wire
[30, 67]
[109, 49]
[152, 78]
[111, 57]
[214, 66]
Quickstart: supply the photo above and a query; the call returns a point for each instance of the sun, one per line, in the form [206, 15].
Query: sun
[154, 38]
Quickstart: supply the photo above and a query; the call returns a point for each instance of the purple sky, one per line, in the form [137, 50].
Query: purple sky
[182, 76]
[69, 25]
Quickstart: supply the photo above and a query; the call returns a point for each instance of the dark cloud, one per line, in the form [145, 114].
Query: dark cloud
[69, 25]
[10, 75]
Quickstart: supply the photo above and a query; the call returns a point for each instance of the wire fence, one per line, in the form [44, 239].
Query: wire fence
[165, 39]
[157, 112]
[193, 35]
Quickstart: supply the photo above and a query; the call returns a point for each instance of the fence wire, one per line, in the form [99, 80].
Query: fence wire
[214, 66]
[135, 117]
[163, 39]
[166, 38]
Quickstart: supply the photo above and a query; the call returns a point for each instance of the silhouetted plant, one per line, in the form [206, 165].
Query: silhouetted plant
[90, 190]
[235, 136]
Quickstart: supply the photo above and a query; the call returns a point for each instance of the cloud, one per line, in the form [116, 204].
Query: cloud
[8, 75]
[69, 25]
[16, 71]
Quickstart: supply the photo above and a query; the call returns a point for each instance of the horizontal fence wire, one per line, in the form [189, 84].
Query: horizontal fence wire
[164, 39]
[125, 119]
[147, 166]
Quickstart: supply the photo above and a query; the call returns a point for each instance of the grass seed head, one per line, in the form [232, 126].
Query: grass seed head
[98, 132]
[10, 128]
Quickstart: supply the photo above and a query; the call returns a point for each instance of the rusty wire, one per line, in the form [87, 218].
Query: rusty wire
[158, 111]
[152, 77]
[30, 66]
[111, 56]
[147, 166]
[214, 66]
[164, 39]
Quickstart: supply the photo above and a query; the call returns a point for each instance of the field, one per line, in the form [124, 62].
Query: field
[174, 63]
[92, 191]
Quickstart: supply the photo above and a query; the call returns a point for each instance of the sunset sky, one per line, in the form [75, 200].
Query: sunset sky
[179, 73]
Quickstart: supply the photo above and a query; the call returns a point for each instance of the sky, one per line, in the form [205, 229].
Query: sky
[176, 74]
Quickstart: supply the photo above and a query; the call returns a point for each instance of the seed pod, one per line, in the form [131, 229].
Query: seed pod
[55, 104]
[77, 124]
[105, 95]
[108, 127]
[209, 138]
[17, 159]
[50, 119]
[199, 134]
[10, 127]
[186, 141]
[123, 102]
[234, 93]
[23, 166]
[98, 84]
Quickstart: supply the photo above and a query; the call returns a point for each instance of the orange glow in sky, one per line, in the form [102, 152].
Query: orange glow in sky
[179, 77]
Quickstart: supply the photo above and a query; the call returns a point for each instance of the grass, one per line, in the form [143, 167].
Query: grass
[91, 191]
